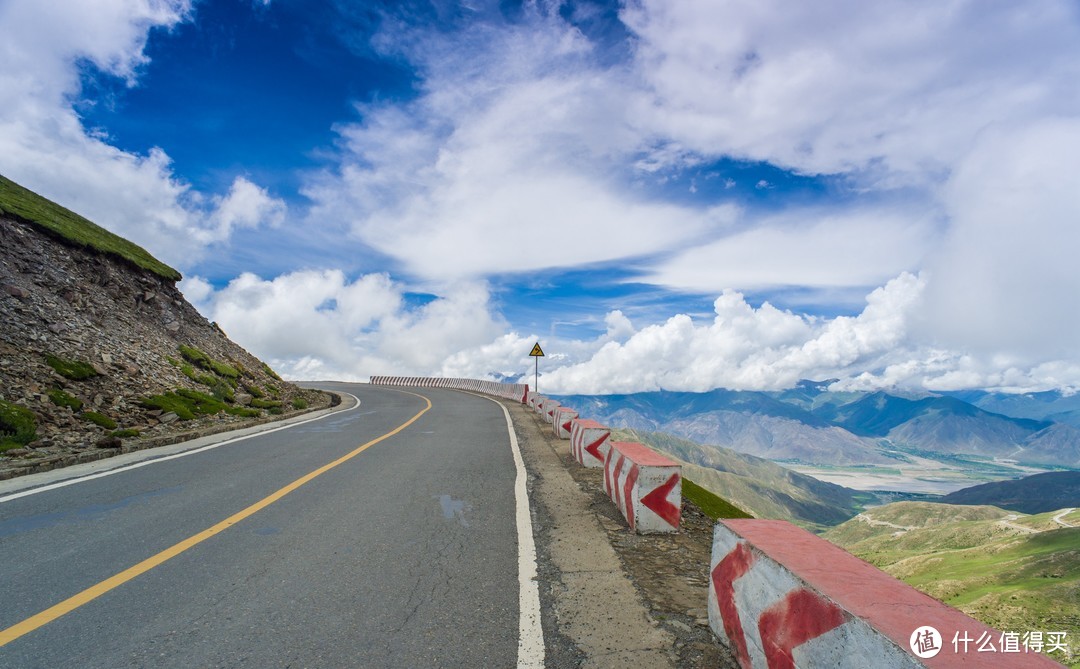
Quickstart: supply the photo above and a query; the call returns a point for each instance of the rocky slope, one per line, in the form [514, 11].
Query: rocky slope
[100, 355]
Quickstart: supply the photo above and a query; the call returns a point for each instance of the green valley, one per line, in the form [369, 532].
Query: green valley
[1017, 572]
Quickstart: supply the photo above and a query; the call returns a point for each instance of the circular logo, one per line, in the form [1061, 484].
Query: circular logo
[925, 642]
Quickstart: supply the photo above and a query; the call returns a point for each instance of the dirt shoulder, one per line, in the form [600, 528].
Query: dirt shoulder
[612, 598]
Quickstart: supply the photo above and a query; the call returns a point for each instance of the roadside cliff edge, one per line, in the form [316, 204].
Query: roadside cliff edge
[100, 353]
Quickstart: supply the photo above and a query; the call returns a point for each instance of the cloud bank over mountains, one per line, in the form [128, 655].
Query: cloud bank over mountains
[942, 141]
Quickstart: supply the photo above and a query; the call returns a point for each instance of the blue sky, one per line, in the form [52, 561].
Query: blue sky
[682, 194]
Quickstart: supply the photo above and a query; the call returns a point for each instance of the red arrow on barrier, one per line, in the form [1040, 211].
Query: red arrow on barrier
[734, 565]
[594, 448]
[798, 617]
[657, 501]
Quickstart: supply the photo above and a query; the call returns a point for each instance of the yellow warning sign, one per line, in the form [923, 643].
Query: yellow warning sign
[537, 352]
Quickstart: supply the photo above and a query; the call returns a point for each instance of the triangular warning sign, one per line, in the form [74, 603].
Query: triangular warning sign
[537, 352]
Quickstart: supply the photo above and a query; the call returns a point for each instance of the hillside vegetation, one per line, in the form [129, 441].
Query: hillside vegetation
[71, 228]
[1013, 571]
[1032, 494]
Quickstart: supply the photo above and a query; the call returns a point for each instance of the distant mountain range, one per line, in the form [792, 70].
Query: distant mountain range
[811, 424]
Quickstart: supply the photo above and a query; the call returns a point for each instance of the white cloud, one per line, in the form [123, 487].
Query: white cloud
[353, 329]
[45, 146]
[245, 206]
[744, 347]
[505, 162]
[767, 348]
[824, 248]
[897, 88]
[1005, 280]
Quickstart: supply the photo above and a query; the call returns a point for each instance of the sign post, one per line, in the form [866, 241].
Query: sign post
[536, 354]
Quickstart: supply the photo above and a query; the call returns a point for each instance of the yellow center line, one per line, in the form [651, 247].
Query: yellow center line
[93, 592]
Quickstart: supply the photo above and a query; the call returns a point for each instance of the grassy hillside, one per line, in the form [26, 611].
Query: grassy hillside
[1032, 494]
[1016, 572]
[74, 229]
[757, 486]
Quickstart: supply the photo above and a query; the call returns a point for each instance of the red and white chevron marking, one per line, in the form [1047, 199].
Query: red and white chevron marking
[589, 442]
[646, 486]
[782, 597]
[518, 392]
[563, 419]
[550, 406]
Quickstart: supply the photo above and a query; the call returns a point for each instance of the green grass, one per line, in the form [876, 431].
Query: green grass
[254, 390]
[711, 505]
[265, 404]
[187, 404]
[18, 427]
[76, 370]
[204, 361]
[299, 404]
[67, 225]
[99, 419]
[222, 369]
[195, 356]
[124, 434]
[269, 372]
[223, 379]
[62, 399]
[966, 557]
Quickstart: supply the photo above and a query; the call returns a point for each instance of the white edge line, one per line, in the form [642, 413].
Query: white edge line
[530, 631]
[182, 454]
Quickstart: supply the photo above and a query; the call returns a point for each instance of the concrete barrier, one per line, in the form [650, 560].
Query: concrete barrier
[646, 486]
[550, 406]
[782, 597]
[563, 419]
[589, 442]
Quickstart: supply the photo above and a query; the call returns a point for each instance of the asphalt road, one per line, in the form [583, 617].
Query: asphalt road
[404, 555]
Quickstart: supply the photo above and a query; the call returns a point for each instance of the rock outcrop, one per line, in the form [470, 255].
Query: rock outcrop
[108, 357]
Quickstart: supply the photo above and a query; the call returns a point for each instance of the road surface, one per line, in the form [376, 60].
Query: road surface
[404, 553]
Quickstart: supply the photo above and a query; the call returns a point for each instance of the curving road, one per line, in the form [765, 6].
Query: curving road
[402, 554]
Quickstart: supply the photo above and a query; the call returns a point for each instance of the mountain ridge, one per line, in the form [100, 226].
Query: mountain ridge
[812, 425]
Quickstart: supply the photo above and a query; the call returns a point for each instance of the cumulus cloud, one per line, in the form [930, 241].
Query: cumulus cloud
[48, 47]
[354, 328]
[744, 347]
[245, 206]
